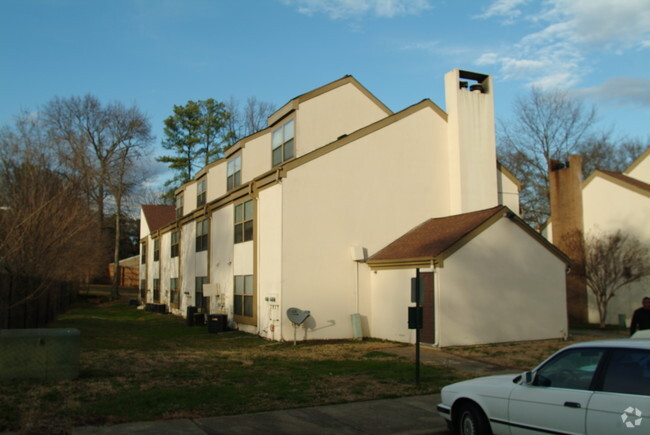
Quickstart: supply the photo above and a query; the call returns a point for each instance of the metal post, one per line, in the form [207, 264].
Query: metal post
[417, 329]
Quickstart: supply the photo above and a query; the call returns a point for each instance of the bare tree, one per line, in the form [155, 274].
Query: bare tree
[47, 233]
[546, 125]
[247, 120]
[606, 153]
[98, 144]
[254, 115]
[612, 261]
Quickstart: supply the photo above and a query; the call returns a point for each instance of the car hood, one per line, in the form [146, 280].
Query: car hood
[485, 380]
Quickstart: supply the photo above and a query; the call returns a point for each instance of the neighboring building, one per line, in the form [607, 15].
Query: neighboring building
[288, 217]
[611, 201]
[152, 219]
[129, 272]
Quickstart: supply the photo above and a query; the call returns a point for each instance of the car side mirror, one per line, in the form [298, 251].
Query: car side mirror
[527, 378]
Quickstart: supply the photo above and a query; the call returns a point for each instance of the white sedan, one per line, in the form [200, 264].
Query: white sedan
[597, 387]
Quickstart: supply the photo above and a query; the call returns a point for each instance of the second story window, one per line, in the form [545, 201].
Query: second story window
[283, 141]
[244, 222]
[174, 250]
[234, 173]
[179, 206]
[143, 253]
[201, 188]
[156, 250]
[202, 235]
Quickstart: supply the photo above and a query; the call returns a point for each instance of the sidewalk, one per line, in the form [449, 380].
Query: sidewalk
[406, 415]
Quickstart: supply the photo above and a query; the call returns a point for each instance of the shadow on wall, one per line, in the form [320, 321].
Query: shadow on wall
[311, 325]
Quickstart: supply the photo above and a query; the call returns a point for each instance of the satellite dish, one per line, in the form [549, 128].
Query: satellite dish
[297, 316]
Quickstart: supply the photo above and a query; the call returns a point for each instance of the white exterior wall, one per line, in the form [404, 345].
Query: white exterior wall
[256, 157]
[217, 184]
[329, 205]
[472, 146]
[508, 192]
[187, 270]
[144, 234]
[391, 297]
[491, 291]
[165, 267]
[189, 198]
[269, 259]
[641, 171]
[221, 259]
[608, 207]
[340, 111]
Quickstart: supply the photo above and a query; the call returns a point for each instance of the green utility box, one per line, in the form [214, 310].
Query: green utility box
[44, 354]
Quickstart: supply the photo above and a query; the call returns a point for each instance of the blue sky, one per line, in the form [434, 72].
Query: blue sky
[158, 53]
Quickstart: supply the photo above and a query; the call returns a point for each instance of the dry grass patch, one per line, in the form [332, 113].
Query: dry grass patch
[138, 366]
[526, 355]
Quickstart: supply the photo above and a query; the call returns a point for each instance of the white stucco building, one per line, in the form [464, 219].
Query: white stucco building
[613, 201]
[298, 215]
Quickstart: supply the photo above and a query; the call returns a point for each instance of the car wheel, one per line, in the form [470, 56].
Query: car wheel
[472, 421]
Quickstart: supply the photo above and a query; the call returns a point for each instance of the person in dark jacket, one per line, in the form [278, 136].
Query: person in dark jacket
[641, 317]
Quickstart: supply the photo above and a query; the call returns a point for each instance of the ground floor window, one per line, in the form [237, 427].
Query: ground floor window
[243, 304]
[143, 289]
[199, 300]
[156, 290]
[174, 294]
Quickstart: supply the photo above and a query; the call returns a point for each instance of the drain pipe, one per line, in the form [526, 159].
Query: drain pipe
[436, 299]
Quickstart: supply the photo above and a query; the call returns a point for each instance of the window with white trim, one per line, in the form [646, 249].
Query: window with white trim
[174, 244]
[234, 173]
[199, 300]
[174, 293]
[243, 295]
[282, 146]
[202, 228]
[201, 191]
[244, 222]
[179, 206]
[156, 250]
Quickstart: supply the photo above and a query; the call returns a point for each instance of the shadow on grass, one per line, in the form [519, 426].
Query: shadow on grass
[137, 365]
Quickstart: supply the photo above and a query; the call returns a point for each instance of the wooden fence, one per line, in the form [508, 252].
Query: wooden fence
[17, 310]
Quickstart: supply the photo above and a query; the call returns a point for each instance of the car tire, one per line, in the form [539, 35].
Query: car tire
[472, 421]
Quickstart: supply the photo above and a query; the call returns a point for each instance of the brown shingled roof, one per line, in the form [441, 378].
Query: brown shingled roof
[158, 216]
[433, 237]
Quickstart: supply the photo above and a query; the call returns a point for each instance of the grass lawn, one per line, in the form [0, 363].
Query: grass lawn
[139, 366]
[527, 355]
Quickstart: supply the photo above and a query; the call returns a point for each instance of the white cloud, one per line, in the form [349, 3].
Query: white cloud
[610, 24]
[343, 9]
[632, 91]
[506, 9]
[556, 55]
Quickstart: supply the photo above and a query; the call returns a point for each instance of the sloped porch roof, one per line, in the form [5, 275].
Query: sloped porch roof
[434, 240]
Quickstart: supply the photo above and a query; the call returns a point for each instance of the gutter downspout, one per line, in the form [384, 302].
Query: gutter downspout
[436, 304]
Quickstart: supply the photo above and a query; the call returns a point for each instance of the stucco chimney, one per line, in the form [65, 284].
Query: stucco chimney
[568, 232]
[471, 141]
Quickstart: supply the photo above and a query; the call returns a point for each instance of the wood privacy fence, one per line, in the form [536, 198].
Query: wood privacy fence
[19, 310]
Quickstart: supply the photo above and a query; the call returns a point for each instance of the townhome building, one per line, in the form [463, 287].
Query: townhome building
[603, 203]
[338, 203]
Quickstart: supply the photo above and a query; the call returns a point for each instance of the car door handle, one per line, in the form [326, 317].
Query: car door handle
[572, 404]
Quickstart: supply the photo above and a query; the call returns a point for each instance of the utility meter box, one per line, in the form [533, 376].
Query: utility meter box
[44, 354]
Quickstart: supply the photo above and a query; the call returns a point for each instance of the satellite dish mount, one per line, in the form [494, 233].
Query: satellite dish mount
[297, 318]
